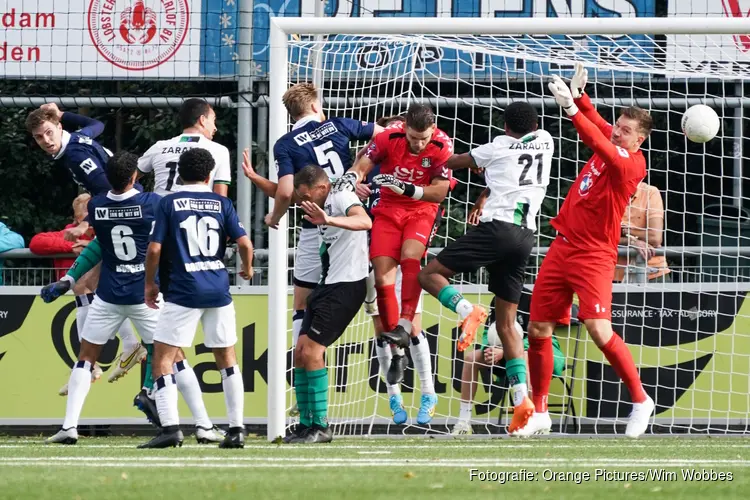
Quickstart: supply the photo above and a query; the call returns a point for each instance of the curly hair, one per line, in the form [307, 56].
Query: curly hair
[195, 165]
[120, 169]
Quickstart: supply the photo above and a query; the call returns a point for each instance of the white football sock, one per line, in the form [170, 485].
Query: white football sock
[464, 308]
[81, 313]
[234, 395]
[384, 360]
[519, 391]
[397, 351]
[128, 336]
[189, 387]
[420, 354]
[465, 412]
[78, 388]
[166, 400]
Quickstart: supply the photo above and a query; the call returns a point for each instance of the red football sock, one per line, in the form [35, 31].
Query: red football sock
[410, 288]
[387, 306]
[541, 363]
[618, 355]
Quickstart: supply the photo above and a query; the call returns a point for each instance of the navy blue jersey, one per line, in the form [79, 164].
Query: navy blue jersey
[193, 225]
[122, 224]
[85, 158]
[320, 143]
[374, 198]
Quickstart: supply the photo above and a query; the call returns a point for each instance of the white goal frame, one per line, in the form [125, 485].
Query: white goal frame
[282, 27]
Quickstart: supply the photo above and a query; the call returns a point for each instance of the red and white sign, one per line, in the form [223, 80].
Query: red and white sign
[100, 38]
[722, 55]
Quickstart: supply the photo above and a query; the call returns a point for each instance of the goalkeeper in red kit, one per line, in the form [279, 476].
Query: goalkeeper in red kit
[582, 258]
[412, 157]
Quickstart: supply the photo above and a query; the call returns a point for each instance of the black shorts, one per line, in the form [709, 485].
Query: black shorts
[330, 309]
[500, 247]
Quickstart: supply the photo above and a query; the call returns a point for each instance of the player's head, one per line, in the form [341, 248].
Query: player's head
[632, 128]
[122, 170]
[387, 121]
[312, 184]
[195, 166]
[420, 124]
[302, 100]
[46, 129]
[198, 114]
[81, 207]
[520, 119]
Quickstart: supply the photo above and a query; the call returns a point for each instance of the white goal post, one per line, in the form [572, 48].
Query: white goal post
[466, 34]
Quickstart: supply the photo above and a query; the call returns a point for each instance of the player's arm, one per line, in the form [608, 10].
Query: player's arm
[153, 255]
[461, 161]
[85, 125]
[146, 162]
[375, 153]
[236, 232]
[285, 189]
[223, 177]
[577, 86]
[355, 218]
[267, 186]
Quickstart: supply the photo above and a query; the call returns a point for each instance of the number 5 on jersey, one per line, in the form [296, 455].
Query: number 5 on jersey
[329, 159]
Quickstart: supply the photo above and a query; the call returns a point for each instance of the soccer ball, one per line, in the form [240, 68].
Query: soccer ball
[493, 338]
[700, 123]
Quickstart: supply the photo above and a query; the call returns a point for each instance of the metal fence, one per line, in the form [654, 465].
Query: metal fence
[687, 265]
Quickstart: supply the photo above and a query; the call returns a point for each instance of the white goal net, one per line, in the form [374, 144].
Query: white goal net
[688, 330]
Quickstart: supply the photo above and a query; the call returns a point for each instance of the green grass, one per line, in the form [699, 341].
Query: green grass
[364, 468]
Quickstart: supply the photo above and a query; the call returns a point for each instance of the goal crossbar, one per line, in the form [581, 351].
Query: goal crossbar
[280, 30]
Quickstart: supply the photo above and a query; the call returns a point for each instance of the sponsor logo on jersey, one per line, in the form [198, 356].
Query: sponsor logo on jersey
[118, 213]
[324, 130]
[197, 205]
[140, 35]
[586, 183]
[190, 138]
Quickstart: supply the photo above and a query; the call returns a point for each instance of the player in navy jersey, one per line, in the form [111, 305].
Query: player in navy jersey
[312, 141]
[192, 227]
[123, 219]
[77, 151]
[86, 160]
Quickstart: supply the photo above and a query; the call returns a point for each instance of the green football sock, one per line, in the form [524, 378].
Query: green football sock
[515, 370]
[148, 379]
[301, 389]
[318, 391]
[89, 258]
[449, 297]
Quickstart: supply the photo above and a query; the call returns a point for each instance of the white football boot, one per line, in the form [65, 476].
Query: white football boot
[63, 436]
[462, 428]
[539, 424]
[639, 418]
[127, 361]
[206, 436]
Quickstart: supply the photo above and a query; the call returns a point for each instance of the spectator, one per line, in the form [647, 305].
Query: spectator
[643, 228]
[54, 242]
[9, 240]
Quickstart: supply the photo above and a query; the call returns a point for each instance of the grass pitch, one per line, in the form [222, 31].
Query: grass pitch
[364, 468]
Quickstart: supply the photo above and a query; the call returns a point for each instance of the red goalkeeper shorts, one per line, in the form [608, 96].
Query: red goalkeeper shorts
[394, 225]
[567, 270]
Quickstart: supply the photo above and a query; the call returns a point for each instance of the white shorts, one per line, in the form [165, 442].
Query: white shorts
[178, 324]
[307, 266]
[104, 321]
[399, 279]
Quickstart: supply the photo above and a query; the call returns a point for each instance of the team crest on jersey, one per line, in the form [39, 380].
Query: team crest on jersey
[426, 163]
[586, 183]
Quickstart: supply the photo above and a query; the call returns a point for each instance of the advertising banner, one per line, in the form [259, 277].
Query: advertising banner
[692, 360]
[723, 54]
[118, 39]
[365, 60]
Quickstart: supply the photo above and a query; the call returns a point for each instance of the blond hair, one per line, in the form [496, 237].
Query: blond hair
[298, 98]
[80, 206]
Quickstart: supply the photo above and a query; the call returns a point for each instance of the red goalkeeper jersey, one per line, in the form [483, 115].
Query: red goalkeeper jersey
[592, 212]
[391, 150]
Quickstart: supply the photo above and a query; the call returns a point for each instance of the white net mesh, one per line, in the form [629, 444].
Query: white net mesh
[687, 336]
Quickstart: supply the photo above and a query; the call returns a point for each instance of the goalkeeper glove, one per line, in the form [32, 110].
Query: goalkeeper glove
[578, 82]
[399, 187]
[562, 95]
[53, 291]
[346, 182]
